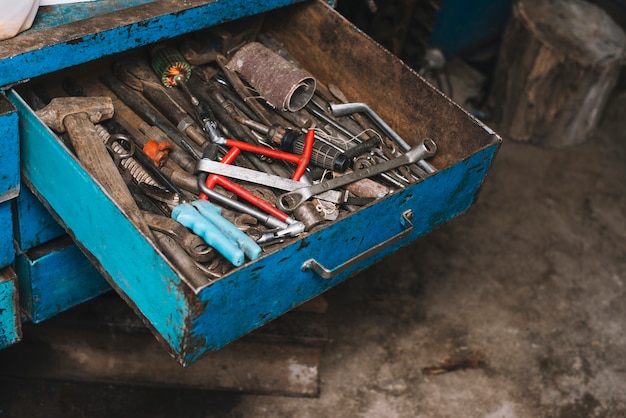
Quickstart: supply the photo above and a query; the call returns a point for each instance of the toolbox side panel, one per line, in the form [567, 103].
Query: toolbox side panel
[32, 223]
[126, 259]
[87, 40]
[56, 281]
[9, 152]
[10, 323]
[248, 298]
[7, 250]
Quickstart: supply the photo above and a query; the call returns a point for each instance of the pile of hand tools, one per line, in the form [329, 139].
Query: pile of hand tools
[222, 146]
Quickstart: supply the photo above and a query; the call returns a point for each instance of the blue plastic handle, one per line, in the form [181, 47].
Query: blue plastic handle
[187, 215]
[214, 214]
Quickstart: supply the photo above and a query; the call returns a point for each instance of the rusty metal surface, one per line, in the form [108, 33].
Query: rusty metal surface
[280, 82]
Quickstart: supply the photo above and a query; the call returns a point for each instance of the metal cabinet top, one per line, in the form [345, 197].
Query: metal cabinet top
[61, 40]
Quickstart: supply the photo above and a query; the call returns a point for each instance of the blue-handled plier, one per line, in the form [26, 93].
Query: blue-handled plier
[206, 220]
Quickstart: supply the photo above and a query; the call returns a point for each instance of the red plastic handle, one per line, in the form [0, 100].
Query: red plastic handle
[270, 152]
[211, 181]
[306, 155]
[214, 179]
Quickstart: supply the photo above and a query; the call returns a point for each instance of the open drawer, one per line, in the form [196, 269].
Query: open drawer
[191, 317]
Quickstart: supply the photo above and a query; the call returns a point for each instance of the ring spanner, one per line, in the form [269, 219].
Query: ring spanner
[291, 200]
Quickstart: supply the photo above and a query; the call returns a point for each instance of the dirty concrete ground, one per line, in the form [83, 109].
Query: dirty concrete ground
[529, 286]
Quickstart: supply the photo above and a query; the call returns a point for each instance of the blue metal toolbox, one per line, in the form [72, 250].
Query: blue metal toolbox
[9, 177]
[7, 253]
[191, 316]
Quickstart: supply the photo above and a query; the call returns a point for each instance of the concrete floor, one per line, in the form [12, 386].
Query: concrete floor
[529, 286]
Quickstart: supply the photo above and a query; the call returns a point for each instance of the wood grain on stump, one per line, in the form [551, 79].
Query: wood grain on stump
[559, 61]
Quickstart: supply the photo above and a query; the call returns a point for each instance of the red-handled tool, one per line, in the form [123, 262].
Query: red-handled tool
[305, 157]
[301, 160]
[214, 179]
[228, 158]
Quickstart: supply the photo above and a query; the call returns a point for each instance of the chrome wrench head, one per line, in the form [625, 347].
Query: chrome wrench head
[289, 201]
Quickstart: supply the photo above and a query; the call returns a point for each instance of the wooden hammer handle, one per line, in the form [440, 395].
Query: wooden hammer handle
[93, 155]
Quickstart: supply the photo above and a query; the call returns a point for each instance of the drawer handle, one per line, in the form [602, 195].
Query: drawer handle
[312, 264]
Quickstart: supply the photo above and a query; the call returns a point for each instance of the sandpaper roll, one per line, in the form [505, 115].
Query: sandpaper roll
[280, 82]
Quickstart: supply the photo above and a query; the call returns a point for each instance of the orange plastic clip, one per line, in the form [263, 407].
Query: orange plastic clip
[158, 152]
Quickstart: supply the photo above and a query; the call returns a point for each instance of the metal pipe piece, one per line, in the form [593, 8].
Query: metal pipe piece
[280, 82]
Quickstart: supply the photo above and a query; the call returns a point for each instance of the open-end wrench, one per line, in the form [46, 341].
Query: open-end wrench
[291, 200]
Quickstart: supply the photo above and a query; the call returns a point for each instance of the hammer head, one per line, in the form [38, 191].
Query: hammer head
[96, 109]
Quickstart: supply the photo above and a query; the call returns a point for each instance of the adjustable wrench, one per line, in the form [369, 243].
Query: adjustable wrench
[291, 200]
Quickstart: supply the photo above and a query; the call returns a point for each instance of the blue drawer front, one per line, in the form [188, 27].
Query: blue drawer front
[7, 250]
[10, 324]
[9, 152]
[32, 223]
[56, 280]
[194, 321]
[276, 284]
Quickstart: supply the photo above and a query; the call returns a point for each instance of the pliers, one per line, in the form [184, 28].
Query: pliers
[206, 220]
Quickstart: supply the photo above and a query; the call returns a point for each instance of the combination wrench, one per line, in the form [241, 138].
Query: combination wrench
[206, 165]
[291, 200]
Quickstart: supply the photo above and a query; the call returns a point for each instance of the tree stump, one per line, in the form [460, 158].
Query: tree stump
[558, 63]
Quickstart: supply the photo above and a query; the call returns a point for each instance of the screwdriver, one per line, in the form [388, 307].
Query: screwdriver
[322, 155]
[171, 67]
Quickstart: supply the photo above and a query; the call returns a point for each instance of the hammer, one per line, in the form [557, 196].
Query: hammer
[76, 116]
